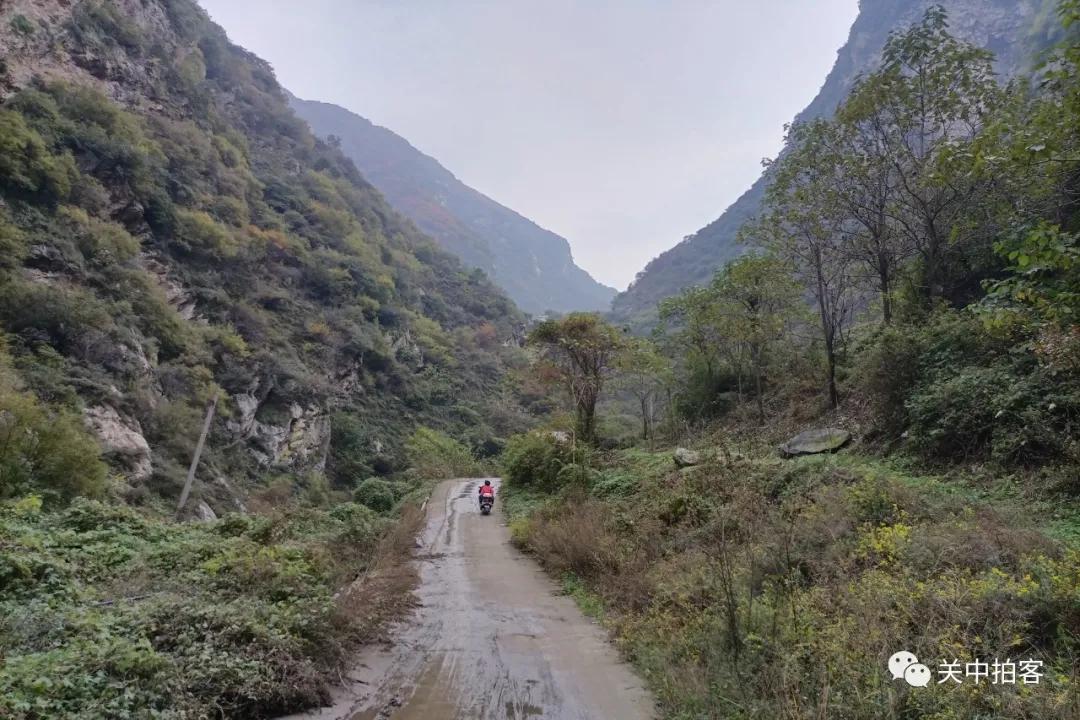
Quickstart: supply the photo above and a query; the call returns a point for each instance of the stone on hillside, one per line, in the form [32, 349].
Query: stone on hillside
[122, 440]
[561, 437]
[812, 442]
[686, 458]
[204, 513]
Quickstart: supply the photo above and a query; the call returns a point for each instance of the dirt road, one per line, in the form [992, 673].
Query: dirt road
[491, 638]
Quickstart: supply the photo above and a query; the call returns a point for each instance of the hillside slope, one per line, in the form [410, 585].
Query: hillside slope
[533, 265]
[1012, 29]
[171, 231]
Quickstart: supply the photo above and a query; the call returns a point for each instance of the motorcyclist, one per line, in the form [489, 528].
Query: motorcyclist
[487, 490]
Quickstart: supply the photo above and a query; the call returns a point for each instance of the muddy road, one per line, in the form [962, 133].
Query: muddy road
[490, 639]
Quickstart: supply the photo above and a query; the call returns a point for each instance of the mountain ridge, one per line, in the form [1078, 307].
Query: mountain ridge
[534, 265]
[1013, 30]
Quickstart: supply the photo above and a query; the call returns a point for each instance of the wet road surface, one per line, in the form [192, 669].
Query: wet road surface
[491, 638]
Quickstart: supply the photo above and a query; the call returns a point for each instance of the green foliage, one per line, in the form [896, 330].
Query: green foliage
[887, 370]
[731, 328]
[376, 494]
[964, 392]
[105, 613]
[1045, 276]
[12, 243]
[580, 351]
[27, 167]
[537, 460]
[104, 25]
[198, 232]
[22, 25]
[437, 456]
[101, 242]
[734, 586]
[351, 456]
[44, 451]
[996, 411]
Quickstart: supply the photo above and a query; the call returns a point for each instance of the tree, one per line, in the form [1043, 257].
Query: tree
[805, 224]
[921, 111]
[755, 297]
[854, 174]
[690, 321]
[644, 372]
[582, 350]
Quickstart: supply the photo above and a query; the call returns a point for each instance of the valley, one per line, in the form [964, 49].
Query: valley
[255, 352]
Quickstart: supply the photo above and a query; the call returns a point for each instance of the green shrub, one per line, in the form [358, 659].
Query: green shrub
[376, 494]
[101, 242]
[22, 25]
[196, 231]
[1001, 412]
[361, 525]
[537, 459]
[65, 313]
[45, 452]
[436, 456]
[106, 613]
[28, 167]
[887, 371]
[12, 243]
[352, 455]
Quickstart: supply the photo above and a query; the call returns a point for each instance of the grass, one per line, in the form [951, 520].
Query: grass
[756, 587]
[108, 613]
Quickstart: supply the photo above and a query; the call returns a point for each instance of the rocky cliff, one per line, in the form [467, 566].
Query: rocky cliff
[171, 231]
[533, 265]
[1015, 30]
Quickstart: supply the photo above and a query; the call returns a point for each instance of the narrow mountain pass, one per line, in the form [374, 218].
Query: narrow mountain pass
[491, 637]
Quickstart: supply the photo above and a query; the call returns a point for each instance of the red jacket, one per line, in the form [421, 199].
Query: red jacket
[487, 490]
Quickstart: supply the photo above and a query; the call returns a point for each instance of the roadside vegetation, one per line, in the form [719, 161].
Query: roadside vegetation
[914, 279]
[170, 233]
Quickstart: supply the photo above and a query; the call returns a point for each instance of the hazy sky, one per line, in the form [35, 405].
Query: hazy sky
[622, 125]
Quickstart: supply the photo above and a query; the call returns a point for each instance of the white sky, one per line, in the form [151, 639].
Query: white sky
[622, 125]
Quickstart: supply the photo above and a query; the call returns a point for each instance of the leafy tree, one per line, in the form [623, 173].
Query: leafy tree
[931, 97]
[756, 299]
[644, 372]
[855, 175]
[690, 322]
[805, 226]
[1045, 275]
[583, 351]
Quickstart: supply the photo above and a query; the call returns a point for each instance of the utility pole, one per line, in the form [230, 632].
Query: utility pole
[198, 453]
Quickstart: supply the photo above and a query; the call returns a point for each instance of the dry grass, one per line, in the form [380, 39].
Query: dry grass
[747, 589]
[383, 593]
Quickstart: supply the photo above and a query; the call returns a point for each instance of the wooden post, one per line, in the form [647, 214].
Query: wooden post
[198, 453]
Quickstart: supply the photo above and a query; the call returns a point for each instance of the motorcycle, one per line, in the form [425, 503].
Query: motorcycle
[486, 503]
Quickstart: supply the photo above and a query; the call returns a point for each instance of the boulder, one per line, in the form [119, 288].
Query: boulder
[812, 442]
[686, 458]
[561, 437]
[122, 440]
[204, 513]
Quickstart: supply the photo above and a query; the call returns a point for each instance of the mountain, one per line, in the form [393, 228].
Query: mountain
[1013, 29]
[170, 231]
[533, 265]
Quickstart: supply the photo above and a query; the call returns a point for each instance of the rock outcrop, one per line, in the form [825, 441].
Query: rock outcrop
[121, 440]
[301, 438]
